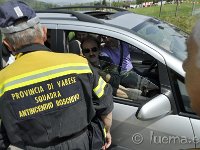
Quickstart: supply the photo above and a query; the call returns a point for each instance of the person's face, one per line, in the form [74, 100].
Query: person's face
[81, 35]
[192, 78]
[90, 50]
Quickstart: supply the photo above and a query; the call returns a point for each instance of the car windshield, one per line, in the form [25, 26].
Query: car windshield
[164, 35]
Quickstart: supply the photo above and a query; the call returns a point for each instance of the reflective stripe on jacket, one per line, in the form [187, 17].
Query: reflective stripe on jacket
[46, 96]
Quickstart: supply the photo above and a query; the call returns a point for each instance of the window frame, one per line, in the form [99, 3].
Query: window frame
[119, 99]
[174, 77]
[126, 37]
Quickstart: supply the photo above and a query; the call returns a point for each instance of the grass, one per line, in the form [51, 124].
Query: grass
[182, 18]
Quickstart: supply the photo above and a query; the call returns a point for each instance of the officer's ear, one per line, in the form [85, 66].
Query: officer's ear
[44, 29]
[8, 45]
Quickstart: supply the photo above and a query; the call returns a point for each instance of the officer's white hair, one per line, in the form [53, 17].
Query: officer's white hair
[196, 36]
[28, 36]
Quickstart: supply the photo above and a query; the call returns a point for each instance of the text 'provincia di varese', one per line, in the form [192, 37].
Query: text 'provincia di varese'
[45, 97]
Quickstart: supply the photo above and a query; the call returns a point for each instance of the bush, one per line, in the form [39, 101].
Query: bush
[178, 15]
[185, 23]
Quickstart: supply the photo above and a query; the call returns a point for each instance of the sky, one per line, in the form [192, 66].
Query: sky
[66, 2]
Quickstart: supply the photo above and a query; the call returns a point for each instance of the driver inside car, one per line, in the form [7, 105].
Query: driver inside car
[129, 76]
[91, 49]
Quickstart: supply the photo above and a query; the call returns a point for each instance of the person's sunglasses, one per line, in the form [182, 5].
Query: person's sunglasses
[87, 50]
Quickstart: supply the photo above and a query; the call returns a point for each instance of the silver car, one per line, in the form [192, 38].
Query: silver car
[165, 119]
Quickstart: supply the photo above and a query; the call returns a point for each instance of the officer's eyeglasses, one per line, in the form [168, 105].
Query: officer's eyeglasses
[87, 50]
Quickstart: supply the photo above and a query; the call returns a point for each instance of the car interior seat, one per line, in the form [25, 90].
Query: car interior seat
[75, 47]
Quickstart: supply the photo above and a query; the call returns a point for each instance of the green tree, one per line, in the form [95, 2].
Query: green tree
[139, 1]
[104, 3]
[2, 1]
[97, 4]
[115, 4]
[156, 1]
[37, 5]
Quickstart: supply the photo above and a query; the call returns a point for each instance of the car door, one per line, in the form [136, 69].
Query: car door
[183, 102]
[159, 125]
[157, 131]
[196, 126]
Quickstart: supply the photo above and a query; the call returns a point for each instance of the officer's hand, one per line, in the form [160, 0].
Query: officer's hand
[108, 141]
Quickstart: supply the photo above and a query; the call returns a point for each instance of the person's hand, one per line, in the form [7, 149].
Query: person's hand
[108, 141]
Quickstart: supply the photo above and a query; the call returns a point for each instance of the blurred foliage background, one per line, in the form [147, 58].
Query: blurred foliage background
[38, 5]
[184, 15]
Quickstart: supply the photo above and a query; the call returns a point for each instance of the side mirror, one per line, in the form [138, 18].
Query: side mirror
[158, 106]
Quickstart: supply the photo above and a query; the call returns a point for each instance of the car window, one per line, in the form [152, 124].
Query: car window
[147, 68]
[181, 93]
[7, 57]
[74, 41]
[164, 35]
[184, 96]
[55, 40]
[49, 38]
[134, 77]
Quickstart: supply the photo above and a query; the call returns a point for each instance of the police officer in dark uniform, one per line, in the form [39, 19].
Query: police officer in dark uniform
[49, 100]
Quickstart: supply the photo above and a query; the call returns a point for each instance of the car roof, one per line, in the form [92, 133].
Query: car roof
[111, 15]
[67, 15]
[117, 19]
[121, 19]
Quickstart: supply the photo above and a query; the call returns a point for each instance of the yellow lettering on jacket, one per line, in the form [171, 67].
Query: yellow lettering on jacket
[66, 82]
[35, 110]
[47, 96]
[68, 100]
[27, 92]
